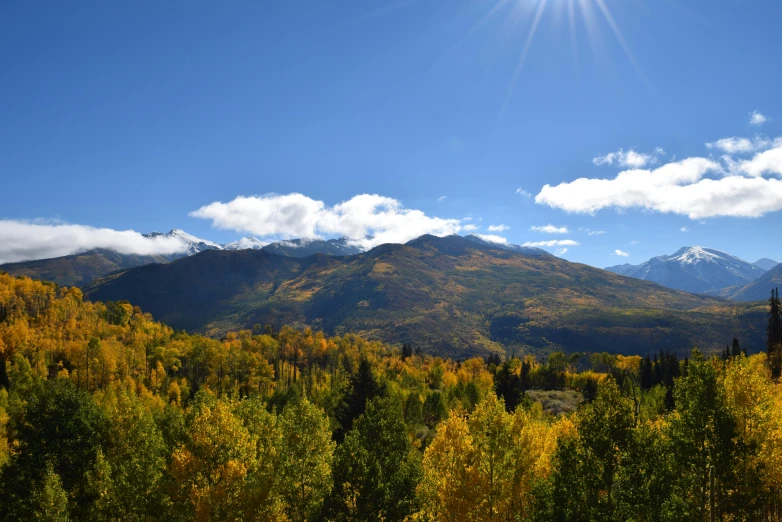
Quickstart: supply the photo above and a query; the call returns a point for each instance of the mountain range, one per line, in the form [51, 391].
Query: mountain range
[694, 269]
[82, 268]
[455, 295]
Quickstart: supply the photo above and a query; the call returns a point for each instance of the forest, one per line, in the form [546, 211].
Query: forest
[108, 415]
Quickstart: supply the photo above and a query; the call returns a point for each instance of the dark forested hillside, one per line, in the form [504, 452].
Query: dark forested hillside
[79, 269]
[448, 295]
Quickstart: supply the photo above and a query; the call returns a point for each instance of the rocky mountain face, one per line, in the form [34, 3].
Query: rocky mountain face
[693, 269]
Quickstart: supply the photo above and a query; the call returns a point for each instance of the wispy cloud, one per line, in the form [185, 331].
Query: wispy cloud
[497, 228]
[39, 239]
[684, 229]
[550, 229]
[441, 199]
[696, 187]
[629, 159]
[620, 253]
[492, 238]
[523, 193]
[741, 145]
[756, 118]
[561, 251]
[634, 242]
[368, 219]
[591, 232]
[469, 227]
[551, 243]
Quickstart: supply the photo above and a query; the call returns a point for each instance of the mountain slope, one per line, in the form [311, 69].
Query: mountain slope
[757, 290]
[693, 269]
[79, 269]
[766, 263]
[449, 295]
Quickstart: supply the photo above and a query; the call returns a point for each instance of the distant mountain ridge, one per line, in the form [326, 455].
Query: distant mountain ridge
[693, 269]
[82, 268]
[453, 295]
[766, 263]
[79, 269]
[757, 290]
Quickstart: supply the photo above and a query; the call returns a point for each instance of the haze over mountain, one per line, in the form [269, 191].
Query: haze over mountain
[693, 269]
[452, 295]
[766, 263]
[757, 290]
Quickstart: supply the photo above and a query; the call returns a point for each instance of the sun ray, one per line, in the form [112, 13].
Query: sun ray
[615, 28]
[524, 52]
[571, 10]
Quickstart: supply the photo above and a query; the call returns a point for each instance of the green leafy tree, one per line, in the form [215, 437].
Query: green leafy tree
[702, 435]
[434, 409]
[376, 469]
[306, 453]
[49, 502]
[62, 428]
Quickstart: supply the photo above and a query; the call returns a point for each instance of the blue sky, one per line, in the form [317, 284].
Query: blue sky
[132, 115]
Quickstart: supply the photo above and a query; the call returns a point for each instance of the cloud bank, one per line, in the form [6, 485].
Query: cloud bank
[26, 240]
[368, 219]
[695, 187]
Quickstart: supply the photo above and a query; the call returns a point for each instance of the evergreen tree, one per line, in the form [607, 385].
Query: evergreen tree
[508, 386]
[363, 387]
[774, 334]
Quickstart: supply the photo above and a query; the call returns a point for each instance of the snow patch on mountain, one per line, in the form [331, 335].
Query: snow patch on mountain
[693, 269]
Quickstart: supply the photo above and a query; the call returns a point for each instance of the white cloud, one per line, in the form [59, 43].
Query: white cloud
[550, 229]
[521, 192]
[491, 238]
[368, 219]
[634, 242]
[561, 251]
[684, 229]
[497, 228]
[595, 232]
[441, 199]
[741, 145]
[469, 227]
[468, 218]
[620, 253]
[551, 243]
[38, 239]
[756, 118]
[696, 187]
[630, 158]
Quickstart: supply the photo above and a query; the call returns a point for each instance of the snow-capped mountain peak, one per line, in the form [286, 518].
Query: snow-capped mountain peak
[246, 243]
[694, 269]
[192, 244]
[698, 254]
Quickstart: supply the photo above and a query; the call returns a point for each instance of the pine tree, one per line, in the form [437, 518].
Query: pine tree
[774, 334]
